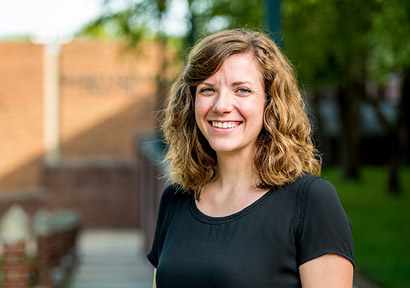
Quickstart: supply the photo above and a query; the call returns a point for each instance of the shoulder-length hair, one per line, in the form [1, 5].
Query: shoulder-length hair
[284, 148]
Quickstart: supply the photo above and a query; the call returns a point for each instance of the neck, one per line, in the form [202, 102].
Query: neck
[236, 171]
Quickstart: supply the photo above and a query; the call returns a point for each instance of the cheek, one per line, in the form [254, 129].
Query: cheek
[198, 113]
[254, 110]
[200, 110]
[256, 113]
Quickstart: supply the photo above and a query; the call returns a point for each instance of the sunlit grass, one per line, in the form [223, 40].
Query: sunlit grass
[381, 224]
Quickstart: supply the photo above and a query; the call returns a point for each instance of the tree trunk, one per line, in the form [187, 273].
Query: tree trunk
[405, 117]
[400, 136]
[348, 101]
[393, 185]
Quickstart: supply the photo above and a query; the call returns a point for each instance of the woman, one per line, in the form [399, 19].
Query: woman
[245, 209]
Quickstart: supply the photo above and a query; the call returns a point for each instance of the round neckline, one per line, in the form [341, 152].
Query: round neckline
[202, 217]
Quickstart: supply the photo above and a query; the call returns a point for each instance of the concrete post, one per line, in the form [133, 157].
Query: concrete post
[51, 102]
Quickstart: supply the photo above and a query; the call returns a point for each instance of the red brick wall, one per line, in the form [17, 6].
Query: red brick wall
[21, 109]
[105, 191]
[107, 95]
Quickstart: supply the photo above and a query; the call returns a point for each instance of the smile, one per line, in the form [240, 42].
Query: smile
[224, 125]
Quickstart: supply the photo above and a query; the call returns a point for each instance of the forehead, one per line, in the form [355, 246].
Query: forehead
[238, 67]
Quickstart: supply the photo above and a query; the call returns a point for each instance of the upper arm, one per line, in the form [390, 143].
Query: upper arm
[330, 270]
[323, 227]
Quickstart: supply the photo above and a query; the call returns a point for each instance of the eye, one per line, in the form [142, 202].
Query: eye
[243, 91]
[206, 91]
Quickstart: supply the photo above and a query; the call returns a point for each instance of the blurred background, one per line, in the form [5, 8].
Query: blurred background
[80, 84]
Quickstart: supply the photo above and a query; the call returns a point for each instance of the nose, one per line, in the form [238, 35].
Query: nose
[223, 103]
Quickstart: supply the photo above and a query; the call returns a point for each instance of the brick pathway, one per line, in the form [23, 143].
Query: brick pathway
[112, 259]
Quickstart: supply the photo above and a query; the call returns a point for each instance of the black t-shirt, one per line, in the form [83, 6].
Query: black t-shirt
[259, 246]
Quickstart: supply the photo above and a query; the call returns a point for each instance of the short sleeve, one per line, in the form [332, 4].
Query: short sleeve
[323, 226]
[154, 253]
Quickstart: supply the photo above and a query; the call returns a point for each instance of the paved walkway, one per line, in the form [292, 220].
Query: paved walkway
[112, 259]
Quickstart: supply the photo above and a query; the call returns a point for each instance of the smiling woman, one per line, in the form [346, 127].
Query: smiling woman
[229, 105]
[246, 208]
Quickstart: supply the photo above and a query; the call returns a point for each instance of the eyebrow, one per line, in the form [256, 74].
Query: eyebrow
[207, 84]
[236, 83]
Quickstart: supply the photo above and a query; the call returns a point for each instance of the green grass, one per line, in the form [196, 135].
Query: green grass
[381, 224]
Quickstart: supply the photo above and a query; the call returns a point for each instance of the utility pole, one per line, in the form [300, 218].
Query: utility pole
[273, 20]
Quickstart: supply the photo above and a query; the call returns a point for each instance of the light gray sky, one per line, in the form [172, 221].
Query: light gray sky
[65, 17]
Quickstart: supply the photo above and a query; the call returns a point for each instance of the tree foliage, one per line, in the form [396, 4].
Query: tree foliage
[389, 38]
[208, 16]
[326, 39]
[142, 19]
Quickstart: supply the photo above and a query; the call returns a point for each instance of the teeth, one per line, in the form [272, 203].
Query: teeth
[224, 125]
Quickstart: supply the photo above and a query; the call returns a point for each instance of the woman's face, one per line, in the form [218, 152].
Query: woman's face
[229, 105]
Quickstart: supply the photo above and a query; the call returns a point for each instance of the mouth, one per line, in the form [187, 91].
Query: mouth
[225, 124]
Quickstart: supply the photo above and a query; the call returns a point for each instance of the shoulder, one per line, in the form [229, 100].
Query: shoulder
[321, 192]
[317, 198]
[173, 194]
[173, 191]
[170, 200]
[312, 187]
[319, 204]
[170, 191]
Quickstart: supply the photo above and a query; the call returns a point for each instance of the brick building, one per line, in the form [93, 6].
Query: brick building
[107, 96]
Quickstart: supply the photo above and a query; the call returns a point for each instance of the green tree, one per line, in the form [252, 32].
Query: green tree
[325, 40]
[342, 45]
[389, 38]
[214, 15]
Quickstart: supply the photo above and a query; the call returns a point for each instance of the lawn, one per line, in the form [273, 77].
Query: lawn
[381, 224]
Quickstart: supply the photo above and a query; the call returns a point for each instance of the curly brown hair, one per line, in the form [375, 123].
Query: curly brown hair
[284, 147]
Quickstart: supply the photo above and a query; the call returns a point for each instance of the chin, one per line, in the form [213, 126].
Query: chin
[223, 149]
